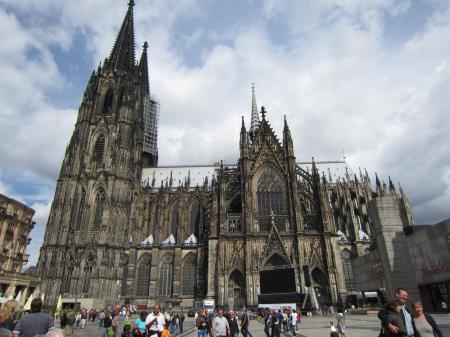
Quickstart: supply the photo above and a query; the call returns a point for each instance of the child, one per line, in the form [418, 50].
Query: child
[165, 332]
[333, 330]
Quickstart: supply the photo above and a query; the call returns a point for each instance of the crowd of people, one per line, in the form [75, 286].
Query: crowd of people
[397, 320]
[224, 324]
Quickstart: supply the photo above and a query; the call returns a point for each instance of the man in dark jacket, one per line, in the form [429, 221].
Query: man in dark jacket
[36, 323]
[401, 297]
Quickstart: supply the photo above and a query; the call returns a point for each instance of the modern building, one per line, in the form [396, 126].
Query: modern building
[16, 223]
[150, 142]
[180, 234]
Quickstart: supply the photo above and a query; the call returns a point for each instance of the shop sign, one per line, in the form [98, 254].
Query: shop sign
[435, 270]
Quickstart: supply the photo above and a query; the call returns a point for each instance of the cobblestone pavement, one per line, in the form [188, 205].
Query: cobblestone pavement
[316, 326]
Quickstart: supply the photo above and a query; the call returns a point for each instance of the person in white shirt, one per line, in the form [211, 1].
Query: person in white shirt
[294, 321]
[220, 326]
[155, 322]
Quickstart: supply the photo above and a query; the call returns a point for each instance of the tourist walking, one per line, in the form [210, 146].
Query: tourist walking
[7, 317]
[174, 323]
[267, 324]
[274, 324]
[294, 322]
[401, 298]
[68, 330]
[155, 322]
[115, 323]
[181, 318]
[444, 307]
[341, 326]
[63, 321]
[107, 323]
[233, 323]
[393, 314]
[209, 319]
[425, 325]
[285, 321]
[220, 326]
[201, 324]
[139, 328]
[101, 317]
[244, 325]
[35, 323]
[78, 320]
[83, 319]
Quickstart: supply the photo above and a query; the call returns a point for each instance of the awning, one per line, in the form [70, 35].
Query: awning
[370, 294]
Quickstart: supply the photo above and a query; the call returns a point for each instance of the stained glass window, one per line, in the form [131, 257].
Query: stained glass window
[108, 102]
[348, 271]
[189, 275]
[99, 206]
[195, 216]
[143, 275]
[165, 278]
[270, 197]
[99, 150]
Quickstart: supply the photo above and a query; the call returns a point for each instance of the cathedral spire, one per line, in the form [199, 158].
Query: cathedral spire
[143, 69]
[122, 55]
[287, 139]
[255, 116]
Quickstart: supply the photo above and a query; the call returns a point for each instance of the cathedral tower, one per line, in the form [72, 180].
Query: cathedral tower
[89, 221]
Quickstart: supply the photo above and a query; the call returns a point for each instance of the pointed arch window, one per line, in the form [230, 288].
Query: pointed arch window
[80, 211]
[270, 198]
[143, 275]
[108, 102]
[195, 216]
[88, 267]
[189, 275]
[99, 208]
[165, 278]
[99, 151]
[346, 256]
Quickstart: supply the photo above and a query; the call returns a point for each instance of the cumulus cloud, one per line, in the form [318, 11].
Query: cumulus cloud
[323, 64]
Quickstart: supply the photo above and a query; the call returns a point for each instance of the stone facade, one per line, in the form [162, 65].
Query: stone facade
[429, 251]
[117, 232]
[16, 223]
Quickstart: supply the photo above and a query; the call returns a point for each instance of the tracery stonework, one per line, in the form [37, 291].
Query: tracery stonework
[178, 235]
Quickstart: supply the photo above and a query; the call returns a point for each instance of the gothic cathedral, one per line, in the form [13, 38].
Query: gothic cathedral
[266, 229]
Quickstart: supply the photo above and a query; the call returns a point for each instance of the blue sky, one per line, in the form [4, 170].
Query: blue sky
[370, 78]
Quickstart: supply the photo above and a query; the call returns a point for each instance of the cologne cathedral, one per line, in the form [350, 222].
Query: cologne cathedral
[266, 229]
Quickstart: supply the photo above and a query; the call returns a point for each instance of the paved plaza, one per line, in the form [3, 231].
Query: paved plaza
[316, 326]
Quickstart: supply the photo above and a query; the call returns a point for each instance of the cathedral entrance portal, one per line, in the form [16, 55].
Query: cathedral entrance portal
[277, 276]
[236, 290]
[321, 287]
